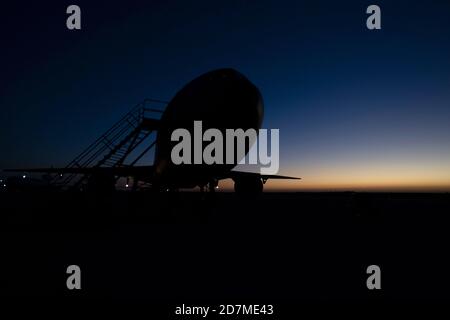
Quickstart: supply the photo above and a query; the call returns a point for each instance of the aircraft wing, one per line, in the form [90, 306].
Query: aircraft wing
[265, 177]
[117, 171]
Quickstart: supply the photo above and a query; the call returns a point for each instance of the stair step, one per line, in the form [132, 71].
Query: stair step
[116, 156]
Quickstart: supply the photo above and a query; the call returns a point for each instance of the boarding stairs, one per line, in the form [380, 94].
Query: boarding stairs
[118, 146]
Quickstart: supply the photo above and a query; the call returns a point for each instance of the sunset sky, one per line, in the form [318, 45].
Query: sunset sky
[356, 109]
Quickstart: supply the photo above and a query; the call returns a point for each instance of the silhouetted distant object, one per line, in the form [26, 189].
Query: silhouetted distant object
[25, 183]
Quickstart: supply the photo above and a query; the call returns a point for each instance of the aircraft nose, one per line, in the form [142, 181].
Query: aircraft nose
[248, 101]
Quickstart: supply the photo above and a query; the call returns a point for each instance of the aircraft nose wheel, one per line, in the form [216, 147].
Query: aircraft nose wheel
[248, 185]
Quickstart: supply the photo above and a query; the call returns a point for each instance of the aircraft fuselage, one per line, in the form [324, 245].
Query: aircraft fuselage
[221, 99]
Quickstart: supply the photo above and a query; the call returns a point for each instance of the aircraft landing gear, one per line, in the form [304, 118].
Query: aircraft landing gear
[210, 186]
[248, 185]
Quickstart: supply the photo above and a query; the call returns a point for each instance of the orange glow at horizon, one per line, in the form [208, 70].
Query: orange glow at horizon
[413, 177]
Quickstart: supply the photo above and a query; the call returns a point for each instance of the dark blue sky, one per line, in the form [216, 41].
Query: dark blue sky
[355, 108]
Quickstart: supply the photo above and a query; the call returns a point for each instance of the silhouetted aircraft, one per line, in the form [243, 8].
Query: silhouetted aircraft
[221, 99]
